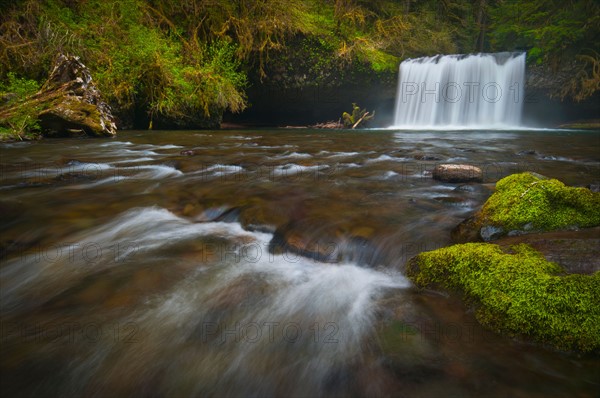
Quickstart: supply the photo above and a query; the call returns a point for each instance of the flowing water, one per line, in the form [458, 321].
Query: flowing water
[155, 264]
[461, 91]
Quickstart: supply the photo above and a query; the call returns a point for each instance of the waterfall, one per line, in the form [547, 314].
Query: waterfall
[461, 91]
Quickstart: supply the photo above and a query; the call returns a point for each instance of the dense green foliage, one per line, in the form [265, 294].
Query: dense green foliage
[23, 122]
[191, 60]
[136, 63]
[555, 33]
[526, 201]
[517, 293]
[358, 116]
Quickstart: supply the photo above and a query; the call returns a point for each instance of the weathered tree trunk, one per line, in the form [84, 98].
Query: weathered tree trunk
[69, 103]
[360, 120]
[481, 24]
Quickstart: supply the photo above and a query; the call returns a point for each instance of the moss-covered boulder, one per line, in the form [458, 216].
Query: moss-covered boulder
[517, 292]
[529, 202]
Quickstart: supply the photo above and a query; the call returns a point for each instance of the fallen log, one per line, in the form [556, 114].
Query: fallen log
[68, 104]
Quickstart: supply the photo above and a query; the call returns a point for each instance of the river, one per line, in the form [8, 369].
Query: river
[155, 264]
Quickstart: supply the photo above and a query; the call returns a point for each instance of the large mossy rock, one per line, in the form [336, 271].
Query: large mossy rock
[527, 203]
[517, 292]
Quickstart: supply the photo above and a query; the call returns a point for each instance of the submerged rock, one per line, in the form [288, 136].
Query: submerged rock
[426, 156]
[292, 238]
[457, 173]
[69, 104]
[528, 203]
[532, 152]
[335, 243]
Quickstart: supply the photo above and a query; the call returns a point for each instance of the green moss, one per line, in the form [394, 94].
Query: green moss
[584, 125]
[358, 116]
[526, 201]
[17, 123]
[517, 293]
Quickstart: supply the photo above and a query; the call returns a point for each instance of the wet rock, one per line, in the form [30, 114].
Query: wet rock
[361, 251]
[594, 187]
[465, 188]
[190, 209]
[489, 232]
[175, 164]
[261, 215]
[452, 200]
[221, 213]
[477, 189]
[290, 238]
[578, 252]
[429, 205]
[75, 177]
[364, 232]
[72, 104]
[467, 230]
[528, 152]
[333, 242]
[457, 173]
[72, 162]
[426, 156]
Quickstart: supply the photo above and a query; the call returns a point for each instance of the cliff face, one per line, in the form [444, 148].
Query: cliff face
[544, 104]
[293, 93]
[308, 104]
[308, 83]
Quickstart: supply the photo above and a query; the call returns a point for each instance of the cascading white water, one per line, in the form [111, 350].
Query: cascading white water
[461, 91]
[237, 324]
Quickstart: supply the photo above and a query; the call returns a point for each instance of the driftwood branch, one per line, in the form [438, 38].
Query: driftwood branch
[360, 120]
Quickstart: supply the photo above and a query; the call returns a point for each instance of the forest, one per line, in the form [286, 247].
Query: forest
[184, 63]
